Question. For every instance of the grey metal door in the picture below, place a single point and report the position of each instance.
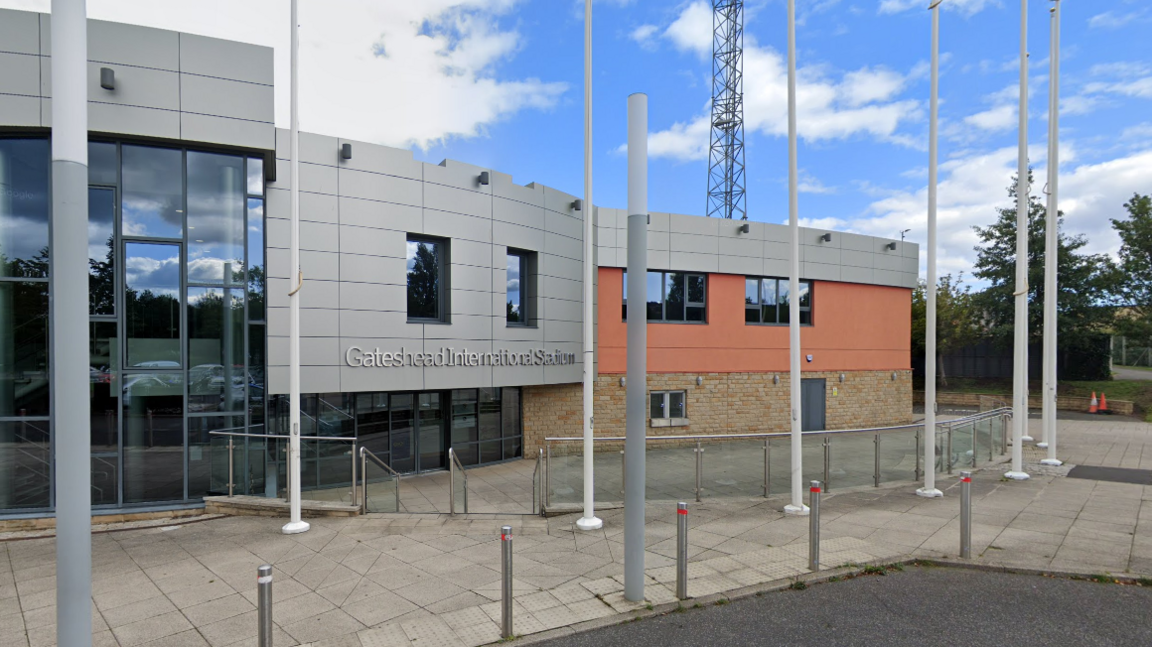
(812, 404)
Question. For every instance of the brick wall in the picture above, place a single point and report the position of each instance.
(725, 403)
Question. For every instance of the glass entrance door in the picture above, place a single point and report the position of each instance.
(431, 438)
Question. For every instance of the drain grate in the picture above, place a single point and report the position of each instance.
(1111, 474)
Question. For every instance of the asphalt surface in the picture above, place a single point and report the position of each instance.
(1124, 373)
(921, 606)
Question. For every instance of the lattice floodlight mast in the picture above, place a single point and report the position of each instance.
(726, 150)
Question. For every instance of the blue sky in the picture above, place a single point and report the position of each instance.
(498, 83)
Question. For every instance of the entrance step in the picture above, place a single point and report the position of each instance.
(265, 507)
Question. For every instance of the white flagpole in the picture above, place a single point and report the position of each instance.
(929, 490)
(1051, 233)
(1020, 365)
(296, 524)
(589, 520)
(797, 506)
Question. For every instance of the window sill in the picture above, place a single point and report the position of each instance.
(669, 422)
(677, 323)
(434, 322)
(522, 325)
(775, 325)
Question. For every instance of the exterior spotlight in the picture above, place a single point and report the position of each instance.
(699, 380)
(622, 381)
(775, 379)
(891, 246)
(484, 178)
(107, 78)
(346, 152)
(841, 378)
(578, 205)
(893, 376)
(826, 238)
(744, 228)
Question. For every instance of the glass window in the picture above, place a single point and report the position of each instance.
(101, 251)
(431, 441)
(672, 297)
(752, 300)
(216, 218)
(657, 399)
(425, 281)
(655, 289)
(23, 349)
(256, 372)
(768, 298)
(624, 299)
(200, 481)
(104, 405)
(152, 304)
(667, 404)
(402, 417)
(103, 165)
(695, 307)
(517, 311)
(255, 176)
(153, 405)
(805, 302)
(256, 273)
(153, 187)
(24, 208)
(775, 304)
(510, 422)
(372, 423)
(26, 454)
(215, 350)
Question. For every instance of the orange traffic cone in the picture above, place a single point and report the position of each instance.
(1103, 404)
(1092, 406)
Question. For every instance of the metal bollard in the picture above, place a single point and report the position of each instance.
(966, 515)
(506, 584)
(682, 551)
(264, 605)
(814, 527)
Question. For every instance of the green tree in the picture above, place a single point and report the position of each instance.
(957, 323)
(1136, 267)
(424, 283)
(1087, 281)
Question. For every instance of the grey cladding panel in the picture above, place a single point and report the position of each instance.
(387, 188)
(134, 87)
(222, 130)
(225, 98)
(316, 207)
(454, 200)
(19, 31)
(114, 42)
(226, 59)
(375, 242)
(129, 120)
(20, 110)
(382, 159)
(19, 74)
(457, 226)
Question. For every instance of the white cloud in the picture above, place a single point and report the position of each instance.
(1002, 117)
(861, 102)
(973, 186)
(808, 183)
(399, 73)
(966, 7)
(1114, 20)
(645, 35)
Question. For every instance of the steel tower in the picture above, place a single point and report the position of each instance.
(726, 150)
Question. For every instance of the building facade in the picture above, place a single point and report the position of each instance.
(440, 307)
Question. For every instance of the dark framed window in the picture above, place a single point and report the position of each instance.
(668, 405)
(672, 297)
(519, 288)
(427, 279)
(766, 301)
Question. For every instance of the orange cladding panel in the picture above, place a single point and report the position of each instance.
(855, 328)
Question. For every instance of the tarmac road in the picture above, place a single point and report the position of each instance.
(919, 607)
(1124, 373)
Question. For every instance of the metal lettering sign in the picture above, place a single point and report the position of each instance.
(451, 357)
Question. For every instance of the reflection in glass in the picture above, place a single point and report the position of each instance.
(256, 371)
(153, 405)
(769, 301)
(655, 286)
(200, 456)
(153, 200)
(752, 300)
(24, 203)
(423, 279)
(676, 404)
(24, 349)
(624, 298)
(402, 416)
(103, 167)
(656, 406)
(216, 218)
(372, 423)
(695, 309)
(805, 302)
(104, 403)
(431, 441)
(783, 287)
(215, 349)
(25, 464)
(152, 304)
(255, 176)
(674, 297)
(515, 310)
(101, 251)
(256, 259)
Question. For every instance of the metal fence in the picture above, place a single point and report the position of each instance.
(1129, 352)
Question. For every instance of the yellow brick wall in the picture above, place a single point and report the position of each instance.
(725, 403)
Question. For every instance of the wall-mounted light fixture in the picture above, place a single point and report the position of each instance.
(841, 377)
(826, 238)
(744, 228)
(699, 380)
(775, 379)
(484, 178)
(346, 152)
(107, 78)
(622, 381)
(893, 376)
(578, 205)
(891, 246)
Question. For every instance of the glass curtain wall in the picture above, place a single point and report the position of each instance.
(176, 318)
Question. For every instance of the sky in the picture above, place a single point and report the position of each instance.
(499, 84)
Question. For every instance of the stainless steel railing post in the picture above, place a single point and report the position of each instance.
(547, 473)
(876, 469)
(814, 527)
(231, 468)
(966, 515)
(506, 582)
(364, 490)
(767, 467)
(827, 460)
(975, 445)
(264, 605)
(948, 453)
(623, 473)
(699, 469)
(919, 472)
(355, 492)
(451, 484)
(682, 551)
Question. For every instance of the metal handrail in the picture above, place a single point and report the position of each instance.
(343, 439)
(454, 464)
(536, 474)
(364, 456)
(232, 447)
(784, 434)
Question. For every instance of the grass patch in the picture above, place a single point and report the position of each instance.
(721, 602)
(1144, 581)
(697, 606)
(875, 570)
(1102, 578)
(1136, 391)
(648, 606)
(797, 585)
